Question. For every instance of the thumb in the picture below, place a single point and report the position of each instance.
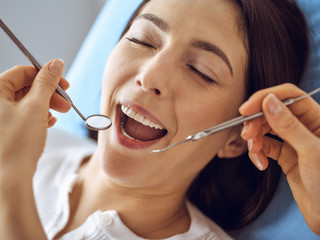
(47, 80)
(285, 124)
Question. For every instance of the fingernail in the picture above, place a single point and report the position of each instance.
(257, 161)
(273, 105)
(244, 129)
(56, 67)
(250, 144)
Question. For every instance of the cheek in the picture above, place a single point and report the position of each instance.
(202, 111)
(205, 110)
(119, 70)
(114, 67)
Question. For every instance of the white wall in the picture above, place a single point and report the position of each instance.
(48, 29)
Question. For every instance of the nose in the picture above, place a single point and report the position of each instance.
(144, 85)
(155, 76)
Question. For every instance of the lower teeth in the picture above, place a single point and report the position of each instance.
(125, 133)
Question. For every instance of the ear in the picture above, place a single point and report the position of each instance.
(235, 146)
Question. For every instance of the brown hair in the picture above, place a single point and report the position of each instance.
(233, 192)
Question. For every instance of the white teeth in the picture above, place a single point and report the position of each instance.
(126, 134)
(139, 118)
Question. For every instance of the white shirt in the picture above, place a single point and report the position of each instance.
(53, 181)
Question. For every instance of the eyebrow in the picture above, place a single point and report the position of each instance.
(214, 49)
(155, 20)
(163, 26)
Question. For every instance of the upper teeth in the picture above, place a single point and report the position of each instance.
(139, 118)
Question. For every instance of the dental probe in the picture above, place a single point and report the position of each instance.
(229, 124)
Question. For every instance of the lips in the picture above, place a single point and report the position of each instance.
(139, 118)
(137, 128)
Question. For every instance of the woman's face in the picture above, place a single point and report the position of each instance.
(178, 70)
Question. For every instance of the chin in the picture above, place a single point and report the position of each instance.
(124, 167)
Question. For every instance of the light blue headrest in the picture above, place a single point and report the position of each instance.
(282, 219)
(85, 74)
(311, 9)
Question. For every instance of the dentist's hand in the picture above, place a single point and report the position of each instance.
(25, 98)
(299, 155)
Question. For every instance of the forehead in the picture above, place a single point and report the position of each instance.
(200, 14)
(214, 21)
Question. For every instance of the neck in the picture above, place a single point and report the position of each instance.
(148, 213)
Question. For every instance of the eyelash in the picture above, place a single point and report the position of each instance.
(137, 41)
(192, 68)
(202, 75)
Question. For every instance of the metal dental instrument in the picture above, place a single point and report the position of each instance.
(229, 124)
(94, 122)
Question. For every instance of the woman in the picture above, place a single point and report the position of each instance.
(220, 56)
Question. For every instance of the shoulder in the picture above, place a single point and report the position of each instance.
(56, 170)
(61, 157)
(61, 146)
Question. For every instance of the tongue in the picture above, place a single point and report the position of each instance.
(141, 132)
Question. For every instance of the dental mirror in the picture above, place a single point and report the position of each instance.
(94, 122)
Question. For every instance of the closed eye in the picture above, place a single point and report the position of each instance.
(202, 75)
(142, 43)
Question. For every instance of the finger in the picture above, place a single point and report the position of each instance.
(265, 147)
(259, 159)
(49, 116)
(59, 104)
(285, 124)
(251, 128)
(64, 84)
(15, 83)
(21, 93)
(303, 109)
(254, 103)
(255, 144)
(46, 81)
(254, 127)
(283, 153)
(15, 79)
(256, 151)
(52, 121)
(272, 148)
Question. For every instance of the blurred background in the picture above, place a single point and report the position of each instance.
(48, 29)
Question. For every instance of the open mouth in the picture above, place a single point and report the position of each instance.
(137, 127)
